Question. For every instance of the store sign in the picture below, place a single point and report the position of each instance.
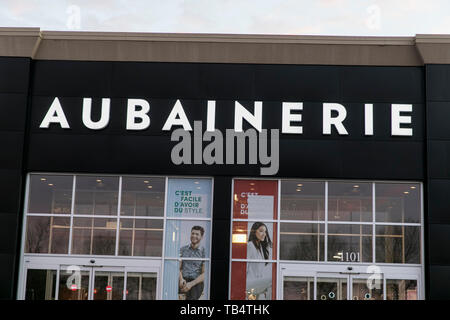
(139, 117)
(254, 146)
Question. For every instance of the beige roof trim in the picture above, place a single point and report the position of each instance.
(224, 48)
(18, 42)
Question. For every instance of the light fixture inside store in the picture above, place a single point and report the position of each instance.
(413, 187)
(98, 180)
(145, 181)
(298, 190)
(43, 179)
(149, 187)
(50, 184)
(406, 192)
(239, 238)
(299, 185)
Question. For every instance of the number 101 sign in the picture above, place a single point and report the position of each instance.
(348, 256)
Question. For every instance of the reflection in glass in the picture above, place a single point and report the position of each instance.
(94, 236)
(141, 286)
(331, 289)
(302, 200)
(140, 237)
(302, 242)
(47, 235)
(142, 196)
(398, 244)
(50, 194)
(361, 290)
(41, 284)
(298, 288)
(397, 202)
(96, 195)
(350, 201)
(69, 289)
(349, 243)
(401, 289)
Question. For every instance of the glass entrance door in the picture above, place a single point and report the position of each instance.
(303, 282)
(85, 282)
(331, 286)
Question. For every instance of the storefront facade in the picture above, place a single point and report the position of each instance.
(123, 177)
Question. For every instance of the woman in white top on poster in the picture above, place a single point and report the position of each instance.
(259, 274)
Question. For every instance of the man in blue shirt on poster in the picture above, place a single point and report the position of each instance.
(192, 272)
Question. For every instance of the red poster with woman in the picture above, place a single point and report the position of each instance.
(255, 207)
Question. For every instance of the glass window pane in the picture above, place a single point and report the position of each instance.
(140, 237)
(398, 202)
(361, 290)
(302, 241)
(94, 236)
(298, 288)
(142, 196)
(73, 287)
(141, 286)
(254, 240)
(350, 201)
(349, 243)
(41, 285)
(104, 236)
(50, 194)
(96, 195)
(331, 289)
(401, 289)
(255, 199)
(59, 235)
(189, 198)
(38, 235)
(183, 289)
(398, 244)
(302, 200)
(253, 281)
(108, 285)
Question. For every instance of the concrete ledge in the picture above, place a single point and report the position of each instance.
(224, 48)
(19, 42)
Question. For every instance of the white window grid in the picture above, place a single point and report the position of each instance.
(164, 218)
(325, 223)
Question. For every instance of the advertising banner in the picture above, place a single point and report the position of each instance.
(254, 239)
(187, 239)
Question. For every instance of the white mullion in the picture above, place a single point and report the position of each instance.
(125, 275)
(326, 224)
(277, 265)
(72, 208)
(57, 283)
(119, 203)
(374, 212)
(164, 239)
(302, 221)
(230, 260)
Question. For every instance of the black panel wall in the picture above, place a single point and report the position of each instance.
(311, 155)
(14, 79)
(438, 163)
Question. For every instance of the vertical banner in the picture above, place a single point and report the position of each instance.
(254, 239)
(187, 239)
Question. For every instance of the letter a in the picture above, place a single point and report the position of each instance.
(55, 114)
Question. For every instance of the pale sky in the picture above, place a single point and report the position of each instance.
(296, 17)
